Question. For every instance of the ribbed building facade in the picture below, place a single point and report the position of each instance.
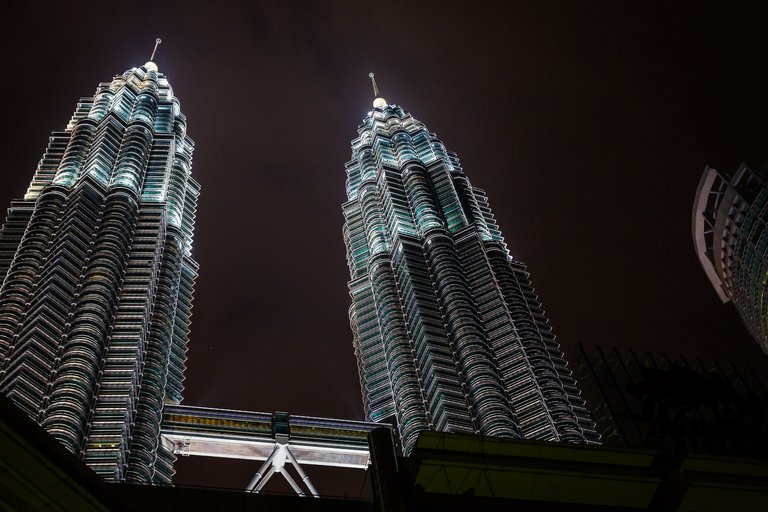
(97, 278)
(730, 215)
(448, 332)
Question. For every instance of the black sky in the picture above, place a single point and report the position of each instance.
(589, 125)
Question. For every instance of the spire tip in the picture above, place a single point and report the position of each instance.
(378, 102)
(150, 65)
(157, 43)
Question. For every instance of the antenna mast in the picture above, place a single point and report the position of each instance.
(375, 87)
(157, 43)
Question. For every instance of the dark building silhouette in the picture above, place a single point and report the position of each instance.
(676, 405)
(444, 472)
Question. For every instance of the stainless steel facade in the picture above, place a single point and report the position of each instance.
(448, 332)
(730, 214)
(97, 278)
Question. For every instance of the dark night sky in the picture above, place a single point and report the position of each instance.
(588, 124)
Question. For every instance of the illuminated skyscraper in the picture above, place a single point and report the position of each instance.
(448, 332)
(97, 278)
(730, 214)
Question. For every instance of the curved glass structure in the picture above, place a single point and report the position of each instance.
(448, 332)
(97, 276)
(730, 214)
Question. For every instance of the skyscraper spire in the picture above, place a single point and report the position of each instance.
(150, 65)
(447, 331)
(157, 43)
(378, 101)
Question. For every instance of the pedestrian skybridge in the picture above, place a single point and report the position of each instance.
(274, 438)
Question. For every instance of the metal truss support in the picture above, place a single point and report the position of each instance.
(276, 464)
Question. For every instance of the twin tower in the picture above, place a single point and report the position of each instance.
(97, 276)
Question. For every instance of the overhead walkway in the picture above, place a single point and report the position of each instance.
(276, 439)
